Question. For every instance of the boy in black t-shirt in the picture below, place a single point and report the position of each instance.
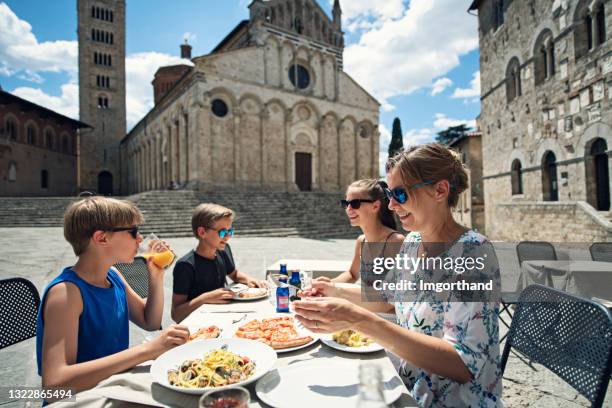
(199, 276)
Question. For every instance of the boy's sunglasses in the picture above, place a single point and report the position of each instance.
(132, 230)
(355, 203)
(224, 231)
(400, 194)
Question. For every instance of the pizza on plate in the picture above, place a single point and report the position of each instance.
(276, 332)
(207, 332)
(253, 293)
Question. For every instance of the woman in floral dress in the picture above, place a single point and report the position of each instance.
(448, 342)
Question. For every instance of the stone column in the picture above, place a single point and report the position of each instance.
(237, 113)
(205, 145)
(288, 158)
(176, 159)
(181, 137)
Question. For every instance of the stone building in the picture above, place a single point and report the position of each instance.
(269, 107)
(38, 149)
(546, 73)
(470, 208)
(101, 39)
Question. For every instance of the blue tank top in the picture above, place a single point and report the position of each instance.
(103, 324)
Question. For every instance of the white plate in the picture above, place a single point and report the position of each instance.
(317, 383)
(370, 348)
(300, 329)
(252, 290)
(263, 356)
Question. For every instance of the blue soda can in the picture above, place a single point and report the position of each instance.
(282, 298)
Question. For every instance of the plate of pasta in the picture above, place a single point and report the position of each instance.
(199, 366)
(351, 341)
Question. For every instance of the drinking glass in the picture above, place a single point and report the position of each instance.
(235, 397)
(153, 247)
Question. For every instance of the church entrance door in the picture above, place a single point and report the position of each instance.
(602, 180)
(105, 183)
(303, 171)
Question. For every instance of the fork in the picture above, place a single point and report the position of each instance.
(239, 320)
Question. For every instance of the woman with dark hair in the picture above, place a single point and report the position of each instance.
(367, 207)
(449, 344)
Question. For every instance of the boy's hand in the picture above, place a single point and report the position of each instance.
(254, 283)
(174, 335)
(154, 270)
(219, 296)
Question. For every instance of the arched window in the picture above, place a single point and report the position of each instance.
(11, 128)
(498, 13)
(31, 134)
(299, 76)
(219, 108)
(111, 38)
(544, 57)
(49, 139)
(550, 186)
(583, 29)
(516, 177)
(111, 17)
(513, 80)
(65, 143)
(600, 18)
(93, 12)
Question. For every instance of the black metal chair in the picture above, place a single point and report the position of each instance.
(535, 251)
(136, 275)
(601, 251)
(569, 335)
(525, 251)
(19, 303)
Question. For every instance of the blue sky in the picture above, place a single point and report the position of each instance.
(419, 58)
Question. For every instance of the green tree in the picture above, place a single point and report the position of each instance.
(453, 132)
(397, 139)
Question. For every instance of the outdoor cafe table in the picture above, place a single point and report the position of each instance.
(583, 278)
(319, 267)
(136, 386)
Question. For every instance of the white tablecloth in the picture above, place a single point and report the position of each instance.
(136, 385)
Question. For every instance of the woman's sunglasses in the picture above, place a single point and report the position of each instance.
(132, 230)
(224, 232)
(355, 203)
(400, 194)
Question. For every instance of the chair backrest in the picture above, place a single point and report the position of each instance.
(601, 251)
(136, 275)
(535, 251)
(19, 303)
(569, 335)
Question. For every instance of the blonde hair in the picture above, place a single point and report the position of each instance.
(84, 217)
(205, 215)
(431, 162)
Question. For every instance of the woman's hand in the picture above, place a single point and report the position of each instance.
(326, 315)
(322, 288)
(174, 335)
(254, 283)
(322, 279)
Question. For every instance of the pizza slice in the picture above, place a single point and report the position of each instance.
(208, 332)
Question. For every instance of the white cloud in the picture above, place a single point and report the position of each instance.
(418, 136)
(406, 53)
(471, 92)
(383, 148)
(443, 122)
(139, 71)
(189, 37)
(440, 85)
(20, 51)
(66, 104)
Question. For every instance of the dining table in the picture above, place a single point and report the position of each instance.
(136, 387)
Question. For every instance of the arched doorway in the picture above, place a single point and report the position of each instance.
(105, 183)
(550, 186)
(598, 178)
(303, 171)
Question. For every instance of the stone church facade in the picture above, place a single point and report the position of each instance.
(546, 118)
(270, 107)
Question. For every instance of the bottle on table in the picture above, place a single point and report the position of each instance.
(282, 298)
(295, 284)
(284, 275)
(371, 387)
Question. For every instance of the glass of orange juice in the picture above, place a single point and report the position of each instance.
(153, 247)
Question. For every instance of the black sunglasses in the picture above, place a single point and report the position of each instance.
(400, 194)
(354, 203)
(132, 230)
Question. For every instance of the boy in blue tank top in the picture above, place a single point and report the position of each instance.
(82, 328)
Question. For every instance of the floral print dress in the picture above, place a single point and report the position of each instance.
(471, 327)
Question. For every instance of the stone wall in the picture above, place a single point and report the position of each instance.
(563, 113)
(553, 222)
